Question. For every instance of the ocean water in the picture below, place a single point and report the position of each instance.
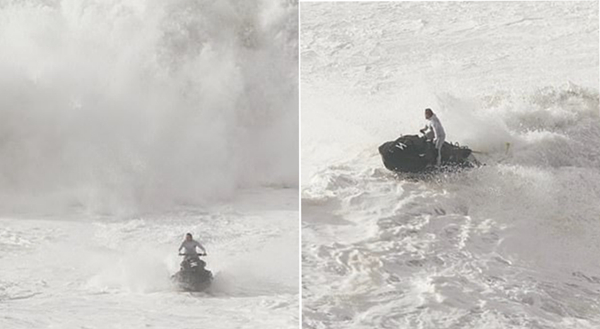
(126, 124)
(511, 244)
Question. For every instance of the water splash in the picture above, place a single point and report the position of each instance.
(136, 105)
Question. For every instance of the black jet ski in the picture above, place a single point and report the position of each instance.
(414, 154)
(193, 275)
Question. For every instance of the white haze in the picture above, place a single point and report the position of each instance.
(127, 105)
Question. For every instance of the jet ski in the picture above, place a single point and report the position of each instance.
(193, 275)
(415, 154)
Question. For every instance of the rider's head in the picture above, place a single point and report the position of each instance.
(428, 113)
(188, 237)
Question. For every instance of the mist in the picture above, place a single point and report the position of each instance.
(141, 105)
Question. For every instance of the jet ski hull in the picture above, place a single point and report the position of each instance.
(414, 154)
(193, 280)
(193, 275)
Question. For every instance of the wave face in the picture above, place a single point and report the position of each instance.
(507, 245)
(138, 105)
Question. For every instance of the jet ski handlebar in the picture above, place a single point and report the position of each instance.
(204, 254)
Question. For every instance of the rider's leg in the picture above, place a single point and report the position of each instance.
(439, 144)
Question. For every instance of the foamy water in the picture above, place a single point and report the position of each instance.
(507, 245)
(79, 271)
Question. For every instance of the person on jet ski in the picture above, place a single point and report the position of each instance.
(435, 132)
(189, 245)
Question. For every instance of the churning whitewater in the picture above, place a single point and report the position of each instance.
(126, 124)
(511, 244)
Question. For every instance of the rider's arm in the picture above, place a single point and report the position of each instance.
(201, 247)
(179, 249)
(428, 127)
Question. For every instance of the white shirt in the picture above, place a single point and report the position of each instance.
(190, 247)
(434, 124)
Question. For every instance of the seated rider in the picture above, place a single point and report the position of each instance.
(189, 245)
(435, 132)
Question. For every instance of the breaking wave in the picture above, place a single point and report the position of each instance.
(138, 105)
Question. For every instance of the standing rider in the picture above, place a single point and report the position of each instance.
(434, 131)
(189, 245)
